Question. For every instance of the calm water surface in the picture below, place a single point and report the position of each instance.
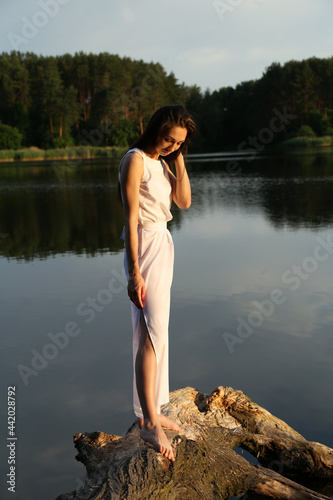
(252, 301)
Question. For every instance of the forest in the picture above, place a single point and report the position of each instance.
(106, 100)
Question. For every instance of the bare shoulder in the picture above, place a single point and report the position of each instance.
(132, 165)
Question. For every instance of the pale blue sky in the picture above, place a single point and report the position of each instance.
(210, 43)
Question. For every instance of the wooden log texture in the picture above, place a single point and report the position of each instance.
(206, 465)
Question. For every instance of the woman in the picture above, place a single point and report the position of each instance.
(148, 187)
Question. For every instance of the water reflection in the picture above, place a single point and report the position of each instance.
(242, 234)
(43, 214)
(291, 191)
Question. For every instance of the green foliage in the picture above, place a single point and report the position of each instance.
(29, 154)
(104, 100)
(7, 154)
(318, 122)
(122, 135)
(330, 117)
(53, 100)
(233, 117)
(301, 142)
(63, 142)
(63, 153)
(10, 137)
(305, 131)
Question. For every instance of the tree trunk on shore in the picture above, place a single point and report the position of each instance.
(206, 465)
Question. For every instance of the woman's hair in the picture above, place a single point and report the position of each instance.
(160, 125)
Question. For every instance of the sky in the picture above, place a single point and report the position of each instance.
(209, 43)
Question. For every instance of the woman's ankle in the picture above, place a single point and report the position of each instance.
(150, 422)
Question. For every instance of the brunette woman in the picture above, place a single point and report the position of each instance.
(148, 187)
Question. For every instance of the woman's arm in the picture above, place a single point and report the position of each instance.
(130, 177)
(181, 187)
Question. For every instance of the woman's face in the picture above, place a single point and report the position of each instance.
(171, 141)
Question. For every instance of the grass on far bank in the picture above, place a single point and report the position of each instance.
(72, 152)
(304, 142)
(61, 153)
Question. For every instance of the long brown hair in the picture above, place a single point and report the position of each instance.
(159, 126)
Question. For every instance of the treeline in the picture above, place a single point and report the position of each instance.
(106, 100)
(86, 99)
(294, 99)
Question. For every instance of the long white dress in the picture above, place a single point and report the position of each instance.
(156, 258)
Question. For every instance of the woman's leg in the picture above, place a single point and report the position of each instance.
(145, 371)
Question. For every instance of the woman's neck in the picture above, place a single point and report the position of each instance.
(153, 154)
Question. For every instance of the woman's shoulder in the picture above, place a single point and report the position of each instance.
(135, 153)
(132, 155)
(132, 159)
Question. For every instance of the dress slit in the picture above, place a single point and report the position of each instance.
(155, 260)
(142, 314)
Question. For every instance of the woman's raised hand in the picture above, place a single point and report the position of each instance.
(136, 290)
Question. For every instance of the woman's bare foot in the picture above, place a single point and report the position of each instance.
(165, 422)
(154, 434)
(169, 424)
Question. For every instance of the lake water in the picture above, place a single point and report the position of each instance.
(251, 308)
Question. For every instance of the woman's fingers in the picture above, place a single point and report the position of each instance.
(136, 301)
(140, 299)
(141, 291)
(137, 293)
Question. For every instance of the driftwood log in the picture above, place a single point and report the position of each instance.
(206, 465)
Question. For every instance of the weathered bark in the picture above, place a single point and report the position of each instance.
(206, 466)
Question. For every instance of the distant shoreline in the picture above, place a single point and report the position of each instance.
(91, 152)
(305, 142)
(61, 154)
